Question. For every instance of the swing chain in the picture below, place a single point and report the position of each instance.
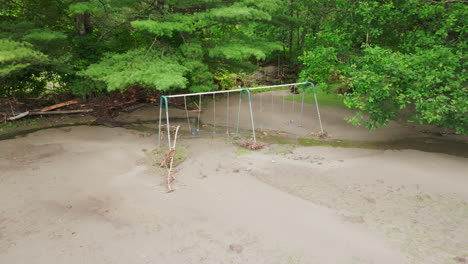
(199, 113)
(187, 114)
(214, 114)
(227, 118)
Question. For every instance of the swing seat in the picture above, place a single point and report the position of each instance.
(194, 132)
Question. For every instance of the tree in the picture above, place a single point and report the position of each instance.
(183, 43)
(394, 55)
(33, 49)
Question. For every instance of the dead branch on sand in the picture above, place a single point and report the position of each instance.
(168, 162)
(57, 112)
(321, 134)
(251, 145)
(55, 106)
(18, 116)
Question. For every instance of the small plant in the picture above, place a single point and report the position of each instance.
(8, 125)
(280, 150)
(241, 152)
(168, 160)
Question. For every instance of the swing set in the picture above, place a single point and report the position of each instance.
(195, 131)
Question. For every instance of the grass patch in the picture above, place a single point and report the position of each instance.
(280, 150)
(287, 144)
(241, 152)
(337, 143)
(156, 156)
(181, 154)
(27, 123)
(7, 126)
(272, 139)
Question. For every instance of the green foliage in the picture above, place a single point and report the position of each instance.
(237, 13)
(430, 82)
(15, 31)
(199, 76)
(16, 56)
(121, 71)
(226, 79)
(45, 35)
(319, 65)
(242, 51)
(160, 28)
(393, 56)
(192, 46)
(85, 86)
(84, 7)
(32, 55)
(325, 98)
(192, 51)
(28, 82)
(163, 45)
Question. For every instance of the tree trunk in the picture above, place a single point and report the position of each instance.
(291, 28)
(83, 21)
(298, 35)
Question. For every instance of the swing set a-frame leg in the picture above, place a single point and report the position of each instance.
(163, 101)
(251, 113)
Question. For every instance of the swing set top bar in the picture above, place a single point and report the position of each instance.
(236, 90)
(279, 85)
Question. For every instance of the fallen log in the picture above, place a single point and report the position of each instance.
(55, 106)
(28, 113)
(19, 116)
(58, 112)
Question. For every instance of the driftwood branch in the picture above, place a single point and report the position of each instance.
(62, 112)
(19, 116)
(28, 113)
(55, 106)
(168, 162)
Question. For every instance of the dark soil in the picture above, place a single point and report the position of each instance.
(105, 108)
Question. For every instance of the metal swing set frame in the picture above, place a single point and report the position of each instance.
(164, 102)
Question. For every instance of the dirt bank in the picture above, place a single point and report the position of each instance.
(92, 194)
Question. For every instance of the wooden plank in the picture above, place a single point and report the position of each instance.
(55, 106)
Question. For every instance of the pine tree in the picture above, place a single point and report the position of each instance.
(182, 43)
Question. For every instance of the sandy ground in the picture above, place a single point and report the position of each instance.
(96, 195)
(92, 195)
